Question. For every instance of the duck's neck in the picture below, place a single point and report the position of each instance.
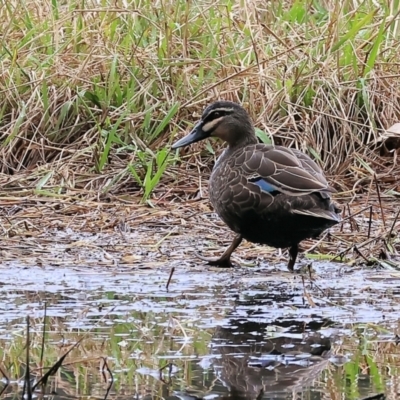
(244, 141)
(235, 146)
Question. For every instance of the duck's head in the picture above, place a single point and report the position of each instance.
(223, 119)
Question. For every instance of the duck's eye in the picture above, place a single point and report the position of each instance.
(214, 115)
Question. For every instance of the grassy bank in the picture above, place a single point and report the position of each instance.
(93, 92)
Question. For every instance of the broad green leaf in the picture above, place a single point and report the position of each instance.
(263, 136)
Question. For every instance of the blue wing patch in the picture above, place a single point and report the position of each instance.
(264, 185)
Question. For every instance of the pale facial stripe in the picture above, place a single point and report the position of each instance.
(209, 126)
(223, 109)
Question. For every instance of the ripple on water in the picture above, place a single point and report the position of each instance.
(264, 331)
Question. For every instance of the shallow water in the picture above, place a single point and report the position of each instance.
(248, 333)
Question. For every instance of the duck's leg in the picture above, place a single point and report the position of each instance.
(292, 256)
(225, 260)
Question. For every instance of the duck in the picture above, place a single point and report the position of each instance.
(266, 194)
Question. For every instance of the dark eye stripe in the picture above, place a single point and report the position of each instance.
(214, 114)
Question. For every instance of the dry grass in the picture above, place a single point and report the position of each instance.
(92, 92)
(111, 235)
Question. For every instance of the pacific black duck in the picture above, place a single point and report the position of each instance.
(267, 194)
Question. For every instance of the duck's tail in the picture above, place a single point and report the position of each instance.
(331, 215)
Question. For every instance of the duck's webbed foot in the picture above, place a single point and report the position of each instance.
(222, 262)
(225, 260)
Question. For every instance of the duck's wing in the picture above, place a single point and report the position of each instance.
(311, 166)
(281, 169)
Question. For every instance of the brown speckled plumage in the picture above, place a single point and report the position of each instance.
(267, 194)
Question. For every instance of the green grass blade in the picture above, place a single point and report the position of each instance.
(132, 170)
(165, 121)
(354, 30)
(375, 49)
(17, 125)
(161, 162)
(112, 137)
(42, 182)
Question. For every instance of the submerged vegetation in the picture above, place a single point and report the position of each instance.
(93, 92)
(203, 338)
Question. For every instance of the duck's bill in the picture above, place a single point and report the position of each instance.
(194, 136)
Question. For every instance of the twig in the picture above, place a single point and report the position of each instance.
(325, 298)
(43, 338)
(170, 277)
(7, 381)
(306, 294)
(368, 241)
(27, 381)
(343, 219)
(369, 222)
(356, 213)
(394, 222)
(361, 254)
(380, 201)
(105, 365)
(169, 366)
(350, 217)
(54, 368)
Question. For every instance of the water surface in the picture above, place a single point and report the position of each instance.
(249, 333)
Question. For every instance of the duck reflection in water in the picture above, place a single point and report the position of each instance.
(252, 366)
(282, 359)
